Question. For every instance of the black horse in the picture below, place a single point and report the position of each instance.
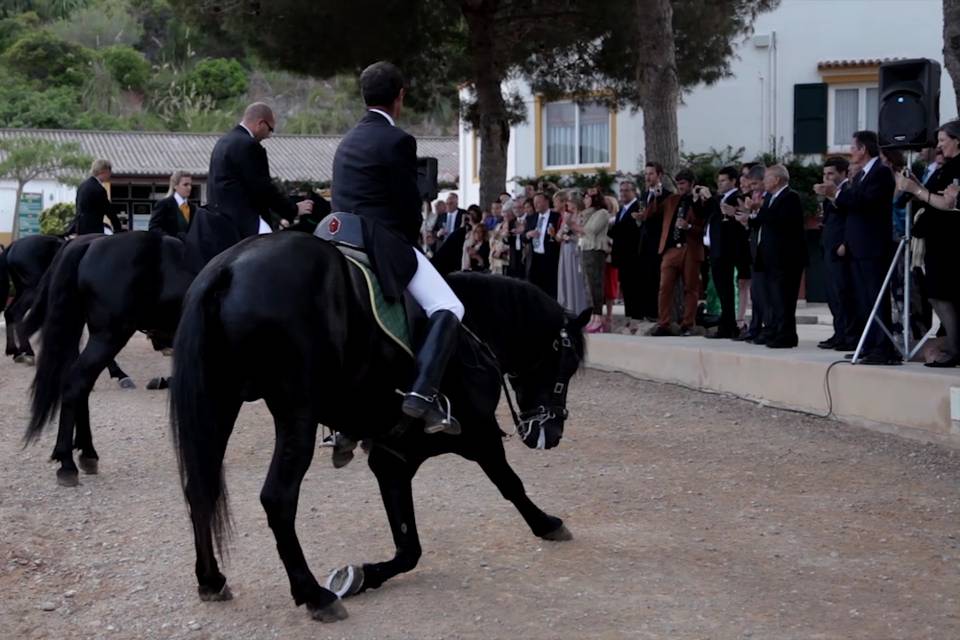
(115, 285)
(26, 261)
(286, 318)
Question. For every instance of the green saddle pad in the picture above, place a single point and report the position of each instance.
(390, 316)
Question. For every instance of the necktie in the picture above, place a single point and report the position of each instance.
(185, 211)
(857, 178)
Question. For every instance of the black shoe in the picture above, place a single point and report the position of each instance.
(943, 364)
(758, 340)
(724, 334)
(424, 401)
(880, 358)
(829, 343)
(782, 343)
(661, 332)
(845, 346)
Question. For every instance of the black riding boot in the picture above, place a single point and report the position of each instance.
(424, 401)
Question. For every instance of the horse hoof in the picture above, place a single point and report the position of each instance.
(333, 612)
(24, 359)
(560, 534)
(157, 384)
(67, 478)
(346, 581)
(167, 351)
(90, 466)
(127, 383)
(216, 596)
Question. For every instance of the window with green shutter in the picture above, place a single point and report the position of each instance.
(810, 118)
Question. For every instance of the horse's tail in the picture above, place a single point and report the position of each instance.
(58, 291)
(38, 310)
(4, 281)
(199, 437)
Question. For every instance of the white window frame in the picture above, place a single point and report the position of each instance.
(576, 124)
(862, 124)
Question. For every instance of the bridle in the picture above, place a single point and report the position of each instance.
(556, 402)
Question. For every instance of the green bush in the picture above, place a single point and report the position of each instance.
(46, 58)
(22, 106)
(218, 78)
(55, 220)
(127, 66)
(101, 24)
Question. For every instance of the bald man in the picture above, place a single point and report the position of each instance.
(239, 185)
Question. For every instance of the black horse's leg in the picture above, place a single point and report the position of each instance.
(24, 302)
(8, 317)
(79, 381)
(212, 584)
(125, 381)
(83, 439)
(296, 440)
(395, 477)
(490, 456)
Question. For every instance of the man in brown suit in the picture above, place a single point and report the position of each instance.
(681, 249)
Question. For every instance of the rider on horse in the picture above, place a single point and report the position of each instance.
(375, 177)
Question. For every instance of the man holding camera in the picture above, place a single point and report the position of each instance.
(681, 249)
(839, 293)
(729, 249)
(868, 239)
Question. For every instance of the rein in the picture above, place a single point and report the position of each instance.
(503, 377)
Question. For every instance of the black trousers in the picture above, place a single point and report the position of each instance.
(629, 275)
(840, 299)
(721, 269)
(543, 272)
(868, 275)
(648, 286)
(758, 303)
(782, 286)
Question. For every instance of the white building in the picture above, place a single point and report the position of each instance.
(834, 45)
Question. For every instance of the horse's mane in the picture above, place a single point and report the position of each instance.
(492, 301)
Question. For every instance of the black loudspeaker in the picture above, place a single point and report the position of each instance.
(427, 178)
(909, 104)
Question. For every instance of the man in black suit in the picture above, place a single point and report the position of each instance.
(781, 255)
(450, 221)
(625, 252)
(93, 203)
(648, 274)
(375, 177)
(173, 214)
(868, 240)
(727, 241)
(545, 254)
(239, 186)
(837, 263)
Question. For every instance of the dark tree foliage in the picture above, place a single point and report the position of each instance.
(562, 46)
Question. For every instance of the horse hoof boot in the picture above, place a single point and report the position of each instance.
(208, 595)
(90, 466)
(333, 612)
(560, 534)
(24, 359)
(68, 478)
(127, 383)
(346, 581)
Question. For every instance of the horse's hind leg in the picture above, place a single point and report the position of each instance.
(395, 477)
(125, 381)
(83, 440)
(11, 331)
(296, 440)
(24, 349)
(80, 379)
(492, 459)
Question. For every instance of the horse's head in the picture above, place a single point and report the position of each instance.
(541, 388)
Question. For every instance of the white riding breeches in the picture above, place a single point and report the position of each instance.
(431, 291)
(264, 227)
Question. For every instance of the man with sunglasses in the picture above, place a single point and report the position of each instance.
(239, 187)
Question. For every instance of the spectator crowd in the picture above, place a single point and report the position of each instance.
(660, 243)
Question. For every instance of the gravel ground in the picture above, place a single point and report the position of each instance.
(694, 516)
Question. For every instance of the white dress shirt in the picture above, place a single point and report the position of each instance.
(539, 242)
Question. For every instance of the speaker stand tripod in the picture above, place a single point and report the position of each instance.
(903, 253)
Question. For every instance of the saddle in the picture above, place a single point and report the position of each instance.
(345, 232)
